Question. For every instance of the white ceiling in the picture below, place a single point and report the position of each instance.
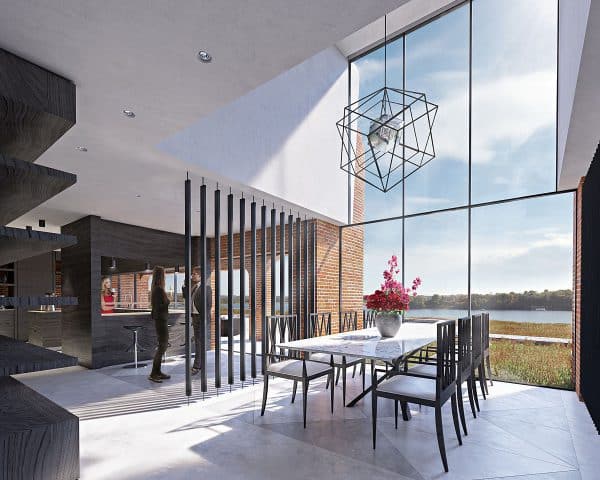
(141, 55)
(580, 127)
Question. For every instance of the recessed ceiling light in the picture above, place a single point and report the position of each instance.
(138, 196)
(129, 113)
(204, 57)
(81, 148)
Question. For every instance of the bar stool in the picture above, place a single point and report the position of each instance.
(135, 346)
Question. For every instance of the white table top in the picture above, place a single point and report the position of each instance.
(367, 343)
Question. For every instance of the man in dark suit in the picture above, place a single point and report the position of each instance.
(197, 323)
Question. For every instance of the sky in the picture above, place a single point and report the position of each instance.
(516, 246)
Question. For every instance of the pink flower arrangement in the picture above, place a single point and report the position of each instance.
(392, 296)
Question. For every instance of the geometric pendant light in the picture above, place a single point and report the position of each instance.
(387, 134)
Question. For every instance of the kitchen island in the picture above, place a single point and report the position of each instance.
(112, 339)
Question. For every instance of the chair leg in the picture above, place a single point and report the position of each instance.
(330, 377)
(354, 370)
(482, 382)
(471, 401)
(294, 391)
(304, 399)
(337, 377)
(439, 430)
(265, 390)
(362, 369)
(475, 394)
(489, 369)
(396, 412)
(374, 419)
(461, 408)
(453, 400)
(344, 386)
(405, 411)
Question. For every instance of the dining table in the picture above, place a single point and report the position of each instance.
(371, 346)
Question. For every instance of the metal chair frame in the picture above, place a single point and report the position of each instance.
(282, 328)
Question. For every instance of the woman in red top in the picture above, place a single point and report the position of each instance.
(107, 300)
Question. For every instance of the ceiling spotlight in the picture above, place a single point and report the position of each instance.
(147, 268)
(204, 57)
(81, 148)
(138, 196)
(129, 113)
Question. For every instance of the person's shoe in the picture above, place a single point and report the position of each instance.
(195, 371)
(163, 376)
(155, 378)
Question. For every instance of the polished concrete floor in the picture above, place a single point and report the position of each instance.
(133, 429)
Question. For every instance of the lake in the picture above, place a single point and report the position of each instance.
(531, 316)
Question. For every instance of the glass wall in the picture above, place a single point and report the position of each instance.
(490, 250)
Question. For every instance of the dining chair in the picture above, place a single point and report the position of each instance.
(369, 318)
(463, 371)
(289, 364)
(477, 363)
(409, 387)
(487, 366)
(320, 324)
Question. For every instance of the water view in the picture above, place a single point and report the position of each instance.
(529, 316)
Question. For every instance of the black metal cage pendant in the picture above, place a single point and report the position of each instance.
(387, 136)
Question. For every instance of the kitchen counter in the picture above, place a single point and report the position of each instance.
(112, 339)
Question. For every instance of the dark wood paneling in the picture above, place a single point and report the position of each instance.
(20, 357)
(7, 322)
(37, 107)
(38, 438)
(25, 185)
(45, 328)
(17, 243)
(590, 285)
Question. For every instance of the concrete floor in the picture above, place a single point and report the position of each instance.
(131, 429)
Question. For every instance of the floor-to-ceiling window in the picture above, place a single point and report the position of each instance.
(482, 224)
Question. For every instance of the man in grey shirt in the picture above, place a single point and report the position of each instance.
(197, 323)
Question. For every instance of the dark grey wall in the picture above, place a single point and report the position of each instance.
(590, 286)
(83, 325)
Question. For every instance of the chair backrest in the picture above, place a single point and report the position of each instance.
(348, 321)
(465, 348)
(280, 329)
(319, 324)
(446, 356)
(485, 331)
(477, 338)
(369, 318)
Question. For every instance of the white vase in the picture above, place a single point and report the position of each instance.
(388, 323)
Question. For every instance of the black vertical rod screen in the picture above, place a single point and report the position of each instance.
(253, 289)
(263, 285)
(273, 257)
(297, 271)
(188, 269)
(203, 276)
(282, 263)
(313, 265)
(305, 271)
(217, 288)
(242, 289)
(290, 257)
(230, 288)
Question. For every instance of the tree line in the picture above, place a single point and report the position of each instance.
(528, 300)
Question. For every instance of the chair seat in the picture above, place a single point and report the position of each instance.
(337, 359)
(406, 386)
(293, 368)
(430, 370)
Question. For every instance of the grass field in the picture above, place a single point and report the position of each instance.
(528, 362)
(554, 330)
